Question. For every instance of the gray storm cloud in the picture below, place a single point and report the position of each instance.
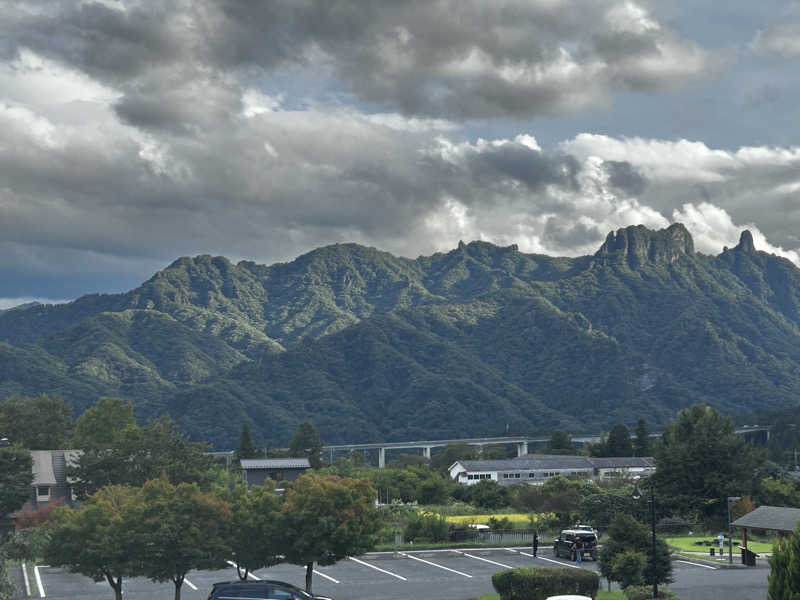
(132, 133)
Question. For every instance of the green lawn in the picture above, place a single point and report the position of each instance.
(687, 544)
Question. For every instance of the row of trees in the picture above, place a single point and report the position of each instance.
(162, 531)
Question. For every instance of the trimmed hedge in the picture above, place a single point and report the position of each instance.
(538, 583)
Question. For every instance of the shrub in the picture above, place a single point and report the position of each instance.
(535, 583)
(628, 568)
(428, 527)
(501, 523)
(645, 592)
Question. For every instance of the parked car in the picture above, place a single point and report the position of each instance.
(588, 528)
(258, 590)
(562, 545)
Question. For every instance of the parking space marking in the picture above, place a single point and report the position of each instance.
(558, 562)
(427, 562)
(249, 574)
(484, 559)
(38, 578)
(366, 564)
(698, 565)
(325, 576)
(26, 580)
(190, 584)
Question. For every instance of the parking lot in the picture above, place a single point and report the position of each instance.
(418, 575)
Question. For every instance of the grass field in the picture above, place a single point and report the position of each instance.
(687, 544)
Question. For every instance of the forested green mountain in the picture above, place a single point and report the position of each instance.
(481, 340)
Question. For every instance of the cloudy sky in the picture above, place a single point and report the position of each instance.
(134, 132)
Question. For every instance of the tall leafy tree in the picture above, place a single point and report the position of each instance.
(641, 444)
(95, 540)
(619, 441)
(16, 475)
(255, 527)
(700, 461)
(180, 528)
(246, 447)
(306, 443)
(326, 519)
(99, 426)
(441, 461)
(37, 423)
(133, 455)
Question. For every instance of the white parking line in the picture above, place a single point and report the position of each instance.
(39, 579)
(325, 576)
(190, 584)
(427, 562)
(484, 559)
(249, 574)
(698, 564)
(27, 581)
(366, 564)
(558, 562)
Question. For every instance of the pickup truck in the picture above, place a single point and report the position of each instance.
(562, 545)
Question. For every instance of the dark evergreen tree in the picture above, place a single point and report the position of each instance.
(306, 443)
(626, 534)
(246, 448)
(16, 474)
(619, 441)
(560, 443)
(641, 445)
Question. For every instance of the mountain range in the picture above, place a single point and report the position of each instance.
(481, 340)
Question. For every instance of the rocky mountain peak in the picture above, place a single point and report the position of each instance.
(637, 245)
(746, 242)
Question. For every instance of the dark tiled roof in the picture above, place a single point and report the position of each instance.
(619, 462)
(556, 461)
(529, 461)
(275, 463)
(777, 518)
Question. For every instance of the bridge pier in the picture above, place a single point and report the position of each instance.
(381, 458)
(522, 449)
(426, 452)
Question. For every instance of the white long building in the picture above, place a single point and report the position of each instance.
(535, 469)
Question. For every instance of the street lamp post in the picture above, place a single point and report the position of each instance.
(730, 535)
(636, 495)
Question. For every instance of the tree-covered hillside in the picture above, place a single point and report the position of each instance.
(479, 340)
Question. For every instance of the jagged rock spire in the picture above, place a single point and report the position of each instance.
(746, 242)
(639, 245)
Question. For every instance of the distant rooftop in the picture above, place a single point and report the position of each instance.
(275, 463)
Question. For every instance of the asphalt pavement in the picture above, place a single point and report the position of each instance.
(418, 575)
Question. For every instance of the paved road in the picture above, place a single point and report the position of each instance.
(418, 575)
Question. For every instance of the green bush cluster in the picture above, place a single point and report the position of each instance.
(426, 527)
(645, 592)
(531, 583)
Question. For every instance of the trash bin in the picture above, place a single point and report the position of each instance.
(749, 557)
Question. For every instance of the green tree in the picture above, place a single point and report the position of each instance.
(327, 518)
(37, 423)
(442, 460)
(560, 443)
(487, 493)
(619, 441)
(641, 444)
(95, 540)
(306, 443)
(182, 528)
(16, 475)
(558, 495)
(626, 534)
(134, 455)
(700, 461)
(7, 589)
(784, 576)
(246, 448)
(99, 426)
(255, 528)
